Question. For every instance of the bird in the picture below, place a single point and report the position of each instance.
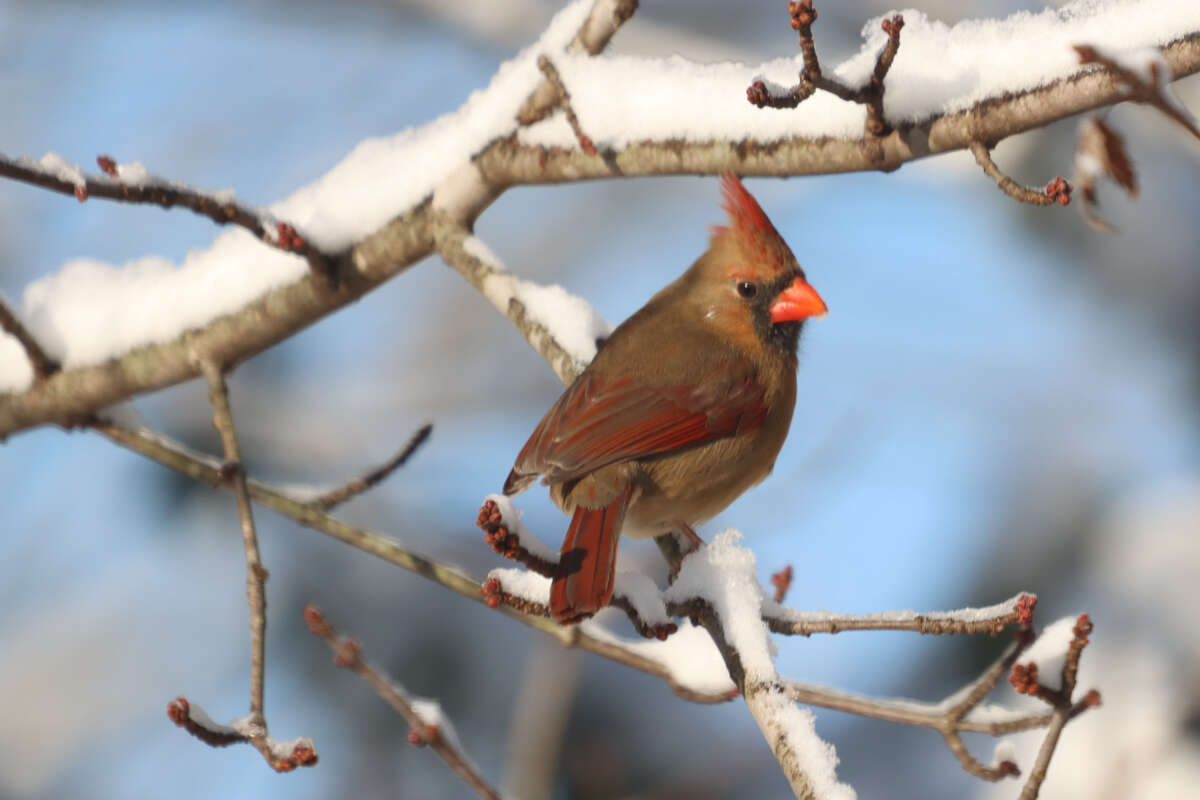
(684, 407)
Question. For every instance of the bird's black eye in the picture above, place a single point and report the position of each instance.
(747, 289)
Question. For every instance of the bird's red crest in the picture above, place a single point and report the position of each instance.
(750, 227)
(745, 214)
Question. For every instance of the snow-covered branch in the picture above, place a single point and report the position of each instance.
(40, 363)
(133, 183)
(281, 756)
(1016, 75)
(562, 328)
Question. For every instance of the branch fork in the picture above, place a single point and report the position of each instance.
(803, 15)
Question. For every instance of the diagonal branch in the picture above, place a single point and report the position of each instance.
(43, 365)
(424, 728)
(1149, 88)
(462, 251)
(606, 17)
(376, 475)
(132, 184)
(564, 101)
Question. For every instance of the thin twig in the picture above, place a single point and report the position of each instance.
(1041, 765)
(166, 194)
(256, 573)
(348, 654)
(281, 756)
(1056, 191)
(43, 365)
(603, 21)
(372, 477)
(1015, 611)
(564, 102)
(949, 715)
(1151, 93)
(803, 15)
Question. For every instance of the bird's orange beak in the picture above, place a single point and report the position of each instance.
(796, 302)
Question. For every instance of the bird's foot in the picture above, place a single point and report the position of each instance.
(687, 542)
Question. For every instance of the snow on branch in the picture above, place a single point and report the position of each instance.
(646, 116)
(716, 589)
(562, 328)
(1145, 74)
(1017, 610)
(427, 723)
(133, 183)
(650, 610)
(40, 364)
(282, 756)
(870, 94)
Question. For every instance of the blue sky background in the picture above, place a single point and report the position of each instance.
(990, 380)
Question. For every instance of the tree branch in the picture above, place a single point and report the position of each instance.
(498, 285)
(376, 475)
(1056, 191)
(205, 469)
(1017, 610)
(803, 15)
(1150, 89)
(564, 102)
(422, 729)
(281, 756)
(606, 17)
(132, 184)
(43, 365)
(281, 312)
(256, 574)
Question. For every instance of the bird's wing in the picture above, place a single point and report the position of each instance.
(595, 424)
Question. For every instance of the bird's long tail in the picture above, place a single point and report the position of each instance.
(588, 561)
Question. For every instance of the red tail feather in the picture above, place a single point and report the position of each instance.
(588, 562)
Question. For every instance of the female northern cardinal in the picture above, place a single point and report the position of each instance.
(683, 409)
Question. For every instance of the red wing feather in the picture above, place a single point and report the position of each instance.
(593, 425)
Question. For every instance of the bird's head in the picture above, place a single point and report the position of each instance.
(753, 288)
